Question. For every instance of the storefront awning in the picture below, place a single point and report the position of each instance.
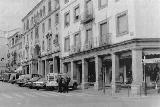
(152, 52)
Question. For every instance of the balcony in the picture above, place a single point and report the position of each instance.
(87, 18)
(105, 40)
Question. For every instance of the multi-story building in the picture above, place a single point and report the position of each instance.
(15, 50)
(106, 40)
(42, 38)
(3, 53)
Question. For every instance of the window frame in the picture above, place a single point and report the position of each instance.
(74, 16)
(101, 23)
(66, 1)
(65, 46)
(102, 6)
(49, 24)
(65, 19)
(119, 15)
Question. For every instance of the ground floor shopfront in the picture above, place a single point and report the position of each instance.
(43, 65)
(120, 63)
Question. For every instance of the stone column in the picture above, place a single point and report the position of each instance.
(46, 67)
(55, 68)
(84, 74)
(61, 66)
(137, 71)
(98, 68)
(39, 67)
(115, 71)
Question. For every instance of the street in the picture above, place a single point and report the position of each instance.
(15, 96)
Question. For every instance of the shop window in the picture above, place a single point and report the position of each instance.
(122, 24)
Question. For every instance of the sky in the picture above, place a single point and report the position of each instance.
(12, 11)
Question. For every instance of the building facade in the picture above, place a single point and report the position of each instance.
(94, 41)
(42, 38)
(106, 40)
(15, 50)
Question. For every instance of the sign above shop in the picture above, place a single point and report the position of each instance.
(153, 60)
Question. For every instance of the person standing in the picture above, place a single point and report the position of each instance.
(59, 81)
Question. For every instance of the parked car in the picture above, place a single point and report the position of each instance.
(40, 84)
(52, 81)
(6, 77)
(34, 79)
(23, 79)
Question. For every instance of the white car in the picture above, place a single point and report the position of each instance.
(52, 81)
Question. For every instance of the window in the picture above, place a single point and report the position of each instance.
(49, 6)
(67, 44)
(43, 47)
(67, 19)
(36, 32)
(44, 11)
(43, 27)
(49, 43)
(89, 10)
(49, 24)
(122, 24)
(66, 1)
(57, 18)
(56, 40)
(31, 35)
(27, 27)
(88, 35)
(76, 39)
(56, 4)
(102, 3)
(104, 31)
(27, 38)
(41, 13)
(76, 13)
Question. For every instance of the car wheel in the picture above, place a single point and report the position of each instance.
(74, 86)
(37, 88)
(30, 87)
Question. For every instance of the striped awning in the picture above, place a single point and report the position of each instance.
(152, 52)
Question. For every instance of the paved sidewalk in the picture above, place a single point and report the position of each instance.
(122, 94)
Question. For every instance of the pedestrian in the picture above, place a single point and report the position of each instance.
(63, 85)
(59, 81)
(67, 83)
